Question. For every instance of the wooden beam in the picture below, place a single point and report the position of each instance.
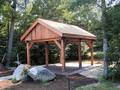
(44, 40)
(72, 40)
(79, 54)
(58, 44)
(46, 54)
(62, 55)
(28, 53)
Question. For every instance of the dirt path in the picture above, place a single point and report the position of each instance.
(60, 83)
(5, 84)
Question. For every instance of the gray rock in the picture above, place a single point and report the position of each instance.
(41, 74)
(19, 73)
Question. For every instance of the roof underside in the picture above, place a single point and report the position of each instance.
(61, 29)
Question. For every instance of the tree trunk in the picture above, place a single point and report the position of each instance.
(105, 39)
(11, 34)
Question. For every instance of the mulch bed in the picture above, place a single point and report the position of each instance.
(60, 83)
(77, 80)
(4, 71)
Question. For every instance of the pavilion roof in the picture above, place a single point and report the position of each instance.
(62, 29)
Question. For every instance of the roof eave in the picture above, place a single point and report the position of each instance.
(79, 36)
(28, 31)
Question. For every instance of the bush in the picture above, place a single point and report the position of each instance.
(98, 55)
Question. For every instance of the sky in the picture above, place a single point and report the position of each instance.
(115, 2)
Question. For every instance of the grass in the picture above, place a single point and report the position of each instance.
(99, 86)
(102, 85)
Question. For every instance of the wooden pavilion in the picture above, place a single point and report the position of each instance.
(46, 31)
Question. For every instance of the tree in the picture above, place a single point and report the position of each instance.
(12, 18)
(105, 39)
(11, 32)
(113, 18)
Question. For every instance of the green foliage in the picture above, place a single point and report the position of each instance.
(83, 13)
(98, 55)
(37, 54)
(113, 25)
(53, 54)
(69, 52)
(3, 36)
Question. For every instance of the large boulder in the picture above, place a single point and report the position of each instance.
(20, 73)
(41, 74)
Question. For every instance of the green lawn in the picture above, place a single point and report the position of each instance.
(99, 86)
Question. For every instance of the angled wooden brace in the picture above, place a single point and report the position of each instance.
(58, 44)
(90, 45)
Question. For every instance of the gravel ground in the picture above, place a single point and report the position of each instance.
(94, 72)
(61, 82)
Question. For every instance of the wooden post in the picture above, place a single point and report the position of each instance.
(79, 55)
(62, 55)
(46, 53)
(90, 45)
(28, 53)
(91, 50)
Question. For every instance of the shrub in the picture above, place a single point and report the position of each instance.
(98, 55)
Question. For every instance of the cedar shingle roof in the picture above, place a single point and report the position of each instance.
(62, 29)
